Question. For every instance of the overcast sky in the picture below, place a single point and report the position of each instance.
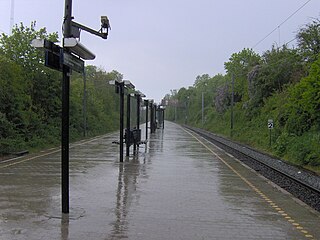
(164, 44)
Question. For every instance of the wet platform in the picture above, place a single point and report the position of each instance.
(178, 187)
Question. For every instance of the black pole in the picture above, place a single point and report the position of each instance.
(147, 113)
(138, 112)
(121, 93)
(65, 116)
(138, 120)
(152, 118)
(163, 119)
(65, 140)
(128, 127)
(270, 138)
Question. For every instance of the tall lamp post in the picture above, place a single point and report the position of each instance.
(120, 88)
(139, 95)
(128, 132)
(69, 57)
(146, 103)
(72, 48)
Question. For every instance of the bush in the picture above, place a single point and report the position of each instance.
(304, 150)
(9, 145)
(281, 145)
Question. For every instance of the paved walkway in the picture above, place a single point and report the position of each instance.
(181, 187)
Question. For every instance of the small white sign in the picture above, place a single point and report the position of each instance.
(270, 124)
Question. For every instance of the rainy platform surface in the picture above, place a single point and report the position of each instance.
(179, 187)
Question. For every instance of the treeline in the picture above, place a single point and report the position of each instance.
(30, 96)
(282, 84)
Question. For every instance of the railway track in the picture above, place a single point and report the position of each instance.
(302, 184)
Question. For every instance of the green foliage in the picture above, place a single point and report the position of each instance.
(239, 65)
(304, 102)
(304, 150)
(30, 96)
(279, 67)
(309, 41)
(17, 47)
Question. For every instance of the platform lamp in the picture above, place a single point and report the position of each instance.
(146, 104)
(139, 95)
(69, 57)
(162, 108)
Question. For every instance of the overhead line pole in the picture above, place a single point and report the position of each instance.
(202, 108)
(12, 16)
(232, 103)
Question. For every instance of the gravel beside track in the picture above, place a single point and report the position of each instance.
(301, 183)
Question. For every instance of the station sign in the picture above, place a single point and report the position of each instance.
(73, 62)
(52, 60)
(270, 124)
(56, 58)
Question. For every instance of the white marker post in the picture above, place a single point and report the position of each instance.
(270, 127)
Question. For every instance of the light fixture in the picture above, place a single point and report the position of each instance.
(78, 49)
(128, 84)
(114, 82)
(38, 43)
(140, 94)
(45, 44)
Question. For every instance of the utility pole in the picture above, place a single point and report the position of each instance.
(12, 16)
(232, 103)
(202, 108)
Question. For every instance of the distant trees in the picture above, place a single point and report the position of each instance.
(278, 68)
(282, 84)
(26, 86)
(239, 65)
(309, 41)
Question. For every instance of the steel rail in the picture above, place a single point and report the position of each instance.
(224, 146)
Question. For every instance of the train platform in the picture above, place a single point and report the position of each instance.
(178, 187)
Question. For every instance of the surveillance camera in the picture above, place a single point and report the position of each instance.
(105, 22)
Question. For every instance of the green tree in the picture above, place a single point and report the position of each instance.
(304, 102)
(41, 84)
(239, 65)
(13, 99)
(308, 39)
(280, 66)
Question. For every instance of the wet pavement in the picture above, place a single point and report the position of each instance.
(179, 187)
